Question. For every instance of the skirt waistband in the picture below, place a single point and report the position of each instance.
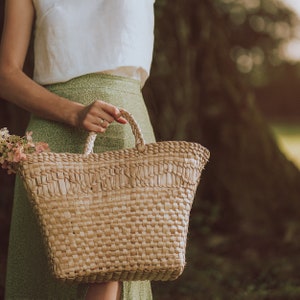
(96, 81)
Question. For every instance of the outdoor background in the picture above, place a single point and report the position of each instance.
(223, 75)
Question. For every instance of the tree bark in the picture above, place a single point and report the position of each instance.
(196, 93)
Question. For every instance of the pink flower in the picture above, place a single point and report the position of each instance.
(9, 156)
(13, 149)
(30, 142)
(41, 147)
(19, 154)
(29, 136)
(9, 146)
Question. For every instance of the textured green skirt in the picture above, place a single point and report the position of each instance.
(28, 276)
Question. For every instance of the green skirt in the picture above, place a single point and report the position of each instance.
(28, 276)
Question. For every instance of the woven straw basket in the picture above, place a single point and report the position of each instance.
(119, 215)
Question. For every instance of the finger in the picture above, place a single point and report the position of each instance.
(105, 116)
(100, 122)
(121, 120)
(96, 128)
(103, 123)
(91, 125)
(109, 109)
(97, 113)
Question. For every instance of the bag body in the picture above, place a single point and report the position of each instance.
(118, 215)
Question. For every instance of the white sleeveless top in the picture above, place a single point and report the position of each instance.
(77, 37)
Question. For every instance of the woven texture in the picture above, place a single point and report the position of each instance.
(118, 215)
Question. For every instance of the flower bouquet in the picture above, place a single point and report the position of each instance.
(14, 148)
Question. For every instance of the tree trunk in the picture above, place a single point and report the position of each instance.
(195, 93)
(248, 196)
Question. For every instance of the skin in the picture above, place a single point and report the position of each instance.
(18, 88)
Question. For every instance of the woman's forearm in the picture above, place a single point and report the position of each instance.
(17, 88)
(15, 85)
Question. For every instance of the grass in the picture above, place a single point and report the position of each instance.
(288, 137)
(237, 269)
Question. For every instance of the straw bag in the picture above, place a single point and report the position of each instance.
(119, 215)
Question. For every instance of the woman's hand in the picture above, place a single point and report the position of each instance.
(98, 115)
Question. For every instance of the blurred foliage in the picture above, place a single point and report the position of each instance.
(208, 57)
(258, 30)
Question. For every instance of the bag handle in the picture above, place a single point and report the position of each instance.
(139, 140)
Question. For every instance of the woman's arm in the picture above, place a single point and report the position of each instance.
(17, 87)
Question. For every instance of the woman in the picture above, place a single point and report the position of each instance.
(91, 57)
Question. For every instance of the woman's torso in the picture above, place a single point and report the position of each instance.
(75, 37)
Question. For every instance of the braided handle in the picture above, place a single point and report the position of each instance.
(139, 140)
